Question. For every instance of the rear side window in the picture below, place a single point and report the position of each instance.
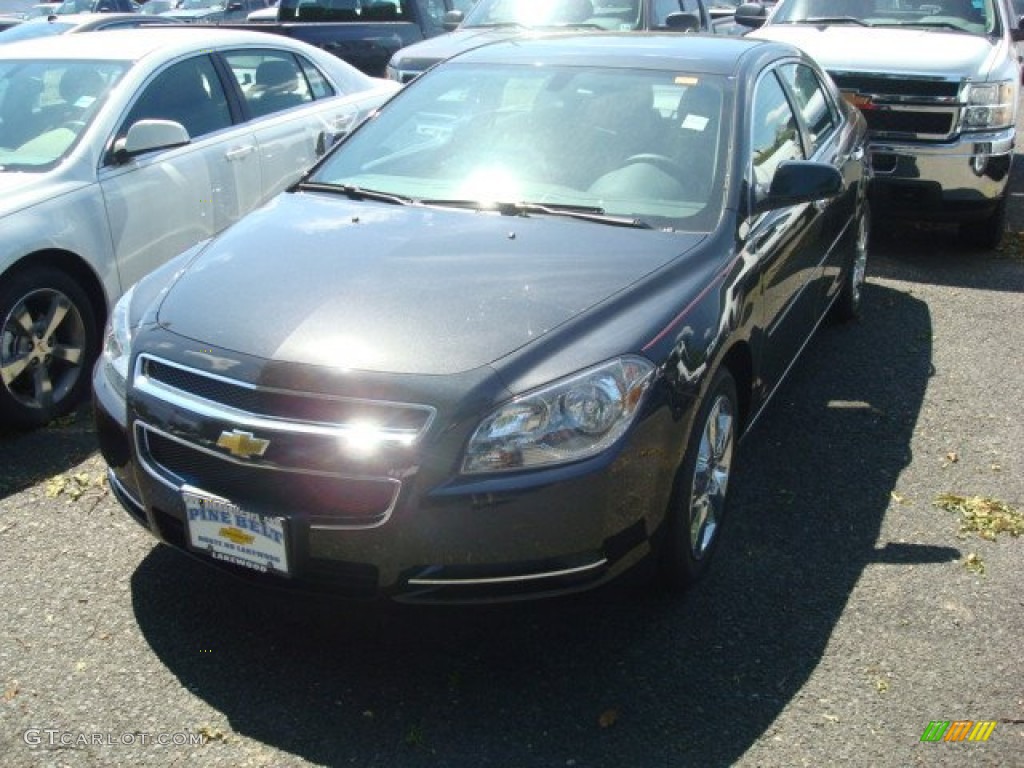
(271, 81)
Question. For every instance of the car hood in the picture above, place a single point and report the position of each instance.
(319, 280)
(432, 50)
(848, 48)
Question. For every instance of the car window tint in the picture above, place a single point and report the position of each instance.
(776, 136)
(816, 108)
(271, 81)
(189, 93)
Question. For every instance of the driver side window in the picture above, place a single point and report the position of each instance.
(776, 135)
(189, 93)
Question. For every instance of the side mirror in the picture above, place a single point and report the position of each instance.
(751, 15)
(149, 135)
(683, 21)
(800, 181)
(452, 19)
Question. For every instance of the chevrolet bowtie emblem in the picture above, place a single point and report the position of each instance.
(242, 444)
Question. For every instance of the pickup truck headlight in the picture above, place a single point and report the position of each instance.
(117, 344)
(569, 420)
(990, 106)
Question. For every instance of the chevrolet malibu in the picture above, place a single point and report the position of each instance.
(120, 149)
(501, 343)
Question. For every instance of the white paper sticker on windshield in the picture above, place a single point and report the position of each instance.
(695, 123)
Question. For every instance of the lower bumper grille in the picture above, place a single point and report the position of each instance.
(323, 501)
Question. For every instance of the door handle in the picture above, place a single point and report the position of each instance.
(237, 153)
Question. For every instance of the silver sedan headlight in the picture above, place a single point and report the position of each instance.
(569, 420)
(117, 344)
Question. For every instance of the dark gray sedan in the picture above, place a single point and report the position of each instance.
(502, 342)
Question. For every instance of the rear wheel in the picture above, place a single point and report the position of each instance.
(48, 341)
(698, 506)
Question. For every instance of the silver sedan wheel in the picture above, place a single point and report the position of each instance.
(42, 349)
(711, 476)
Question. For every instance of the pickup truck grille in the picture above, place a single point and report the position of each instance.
(904, 108)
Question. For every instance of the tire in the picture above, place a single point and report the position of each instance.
(698, 506)
(848, 303)
(988, 232)
(48, 342)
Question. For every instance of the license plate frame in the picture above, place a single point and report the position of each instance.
(226, 531)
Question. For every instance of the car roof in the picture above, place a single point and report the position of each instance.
(709, 54)
(135, 44)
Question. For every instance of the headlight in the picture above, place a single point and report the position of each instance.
(990, 106)
(117, 344)
(569, 420)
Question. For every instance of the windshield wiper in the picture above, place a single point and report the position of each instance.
(834, 20)
(354, 192)
(936, 25)
(501, 25)
(584, 212)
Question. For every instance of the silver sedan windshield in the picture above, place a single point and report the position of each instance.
(45, 106)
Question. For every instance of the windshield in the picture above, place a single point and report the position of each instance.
(154, 7)
(45, 106)
(36, 28)
(977, 17)
(606, 14)
(631, 144)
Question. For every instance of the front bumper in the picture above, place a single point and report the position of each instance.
(441, 538)
(957, 181)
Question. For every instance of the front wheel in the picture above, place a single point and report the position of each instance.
(698, 506)
(847, 305)
(48, 341)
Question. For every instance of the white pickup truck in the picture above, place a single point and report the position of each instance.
(938, 82)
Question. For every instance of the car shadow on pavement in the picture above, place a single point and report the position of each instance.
(930, 254)
(29, 456)
(618, 677)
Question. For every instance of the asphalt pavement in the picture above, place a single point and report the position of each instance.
(847, 611)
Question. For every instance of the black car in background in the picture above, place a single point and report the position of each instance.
(502, 342)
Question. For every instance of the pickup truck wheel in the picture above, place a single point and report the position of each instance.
(988, 232)
(848, 302)
(697, 509)
(48, 342)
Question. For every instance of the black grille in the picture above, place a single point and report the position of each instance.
(935, 123)
(284, 405)
(884, 86)
(323, 500)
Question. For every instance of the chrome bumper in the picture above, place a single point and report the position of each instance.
(968, 176)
